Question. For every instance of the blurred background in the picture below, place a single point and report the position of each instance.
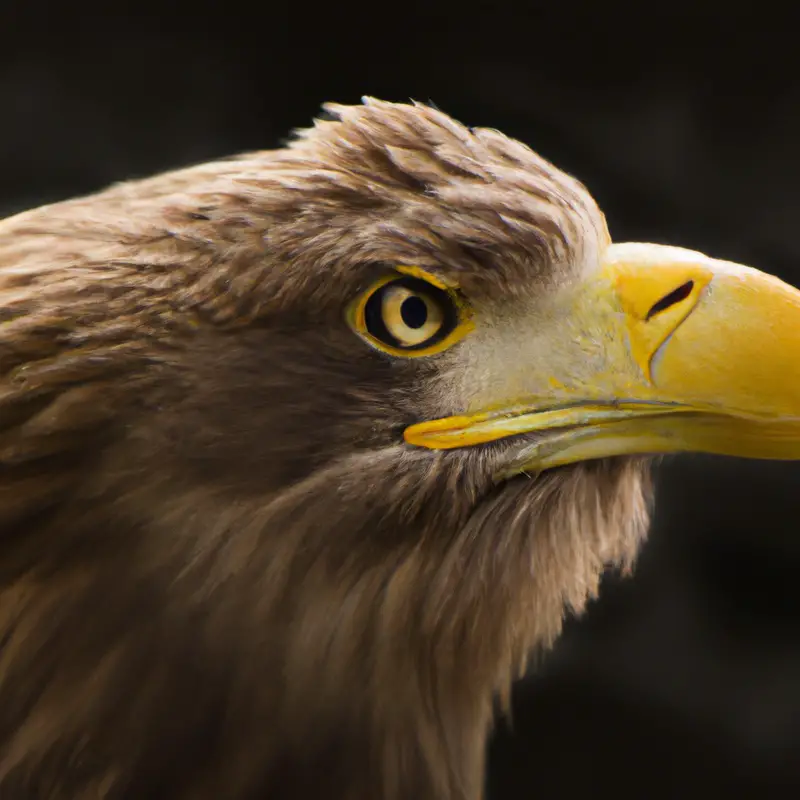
(684, 681)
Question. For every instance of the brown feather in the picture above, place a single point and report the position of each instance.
(222, 573)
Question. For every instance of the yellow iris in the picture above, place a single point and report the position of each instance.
(410, 313)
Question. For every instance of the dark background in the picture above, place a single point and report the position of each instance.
(684, 681)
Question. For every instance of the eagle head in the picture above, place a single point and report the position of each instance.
(305, 451)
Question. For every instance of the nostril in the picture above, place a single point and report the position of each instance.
(675, 296)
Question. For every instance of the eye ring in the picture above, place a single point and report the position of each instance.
(410, 313)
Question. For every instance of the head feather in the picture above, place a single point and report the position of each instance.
(223, 573)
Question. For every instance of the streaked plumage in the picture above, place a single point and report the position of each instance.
(224, 572)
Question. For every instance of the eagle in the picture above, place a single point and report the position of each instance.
(305, 452)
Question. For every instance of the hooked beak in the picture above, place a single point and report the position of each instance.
(663, 350)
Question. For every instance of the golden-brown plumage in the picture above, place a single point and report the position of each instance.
(224, 574)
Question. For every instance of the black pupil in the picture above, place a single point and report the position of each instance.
(414, 312)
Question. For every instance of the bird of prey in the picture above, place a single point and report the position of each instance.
(304, 452)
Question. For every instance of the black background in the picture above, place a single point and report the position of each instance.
(684, 121)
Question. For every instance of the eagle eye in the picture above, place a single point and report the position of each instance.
(410, 314)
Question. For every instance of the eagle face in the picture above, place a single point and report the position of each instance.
(306, 451)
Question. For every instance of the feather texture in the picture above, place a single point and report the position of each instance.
(222, 573)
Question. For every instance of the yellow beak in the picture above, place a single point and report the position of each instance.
(663, 350)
